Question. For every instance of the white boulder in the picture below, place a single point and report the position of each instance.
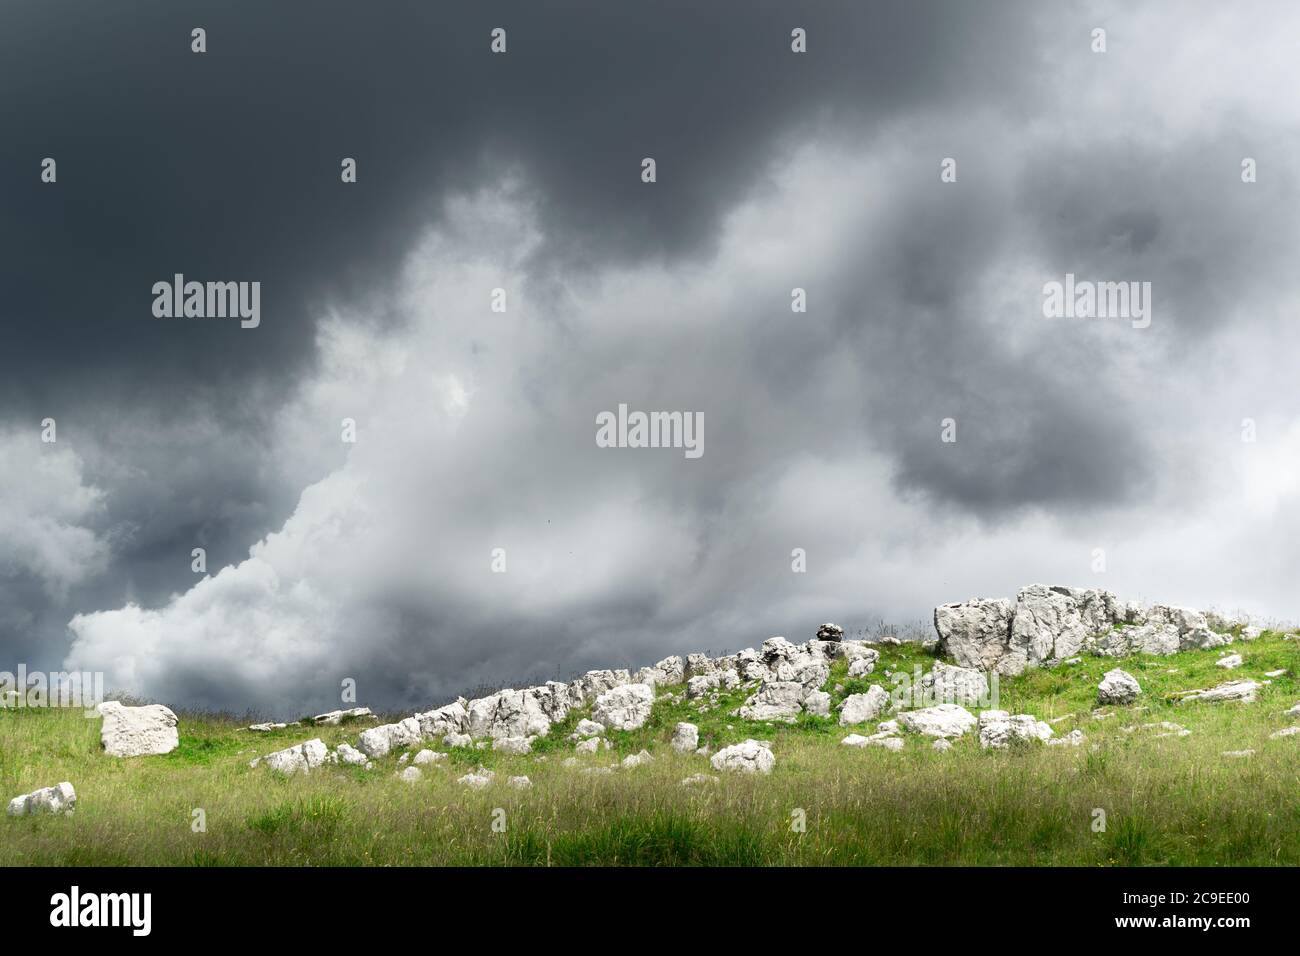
(941, 720)
(137, 731)
(1118, 687)
(60, 800)
(751, 756)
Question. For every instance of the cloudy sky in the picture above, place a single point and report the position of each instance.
(475, 429)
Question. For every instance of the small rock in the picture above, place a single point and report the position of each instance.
(686, 737)
(589, 728)
(830, 632)
(751, 756)
(303, 757)
(458, 740)
(1239, 753)
(1073, 739)
(1240, 690)
(860, 708)
(1277, 673)
(350, 755)
(1284, 732)
(941, 744)
(1230, 662)
(1118, 687)
(519, 783)
(427, 756)
(60, 800)
(410, 774)
(699, 778)
(479, 779)
(636, 760)
(514, 745)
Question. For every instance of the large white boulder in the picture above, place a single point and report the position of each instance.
(974, 633)
(1118, 687)
(508, 713)
(1054, 623)
(941, 720)
(60, 799)
(751, 756)
(624, 708)
(450, 719)
(137, 731)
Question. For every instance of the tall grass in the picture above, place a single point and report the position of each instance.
(1170, 801)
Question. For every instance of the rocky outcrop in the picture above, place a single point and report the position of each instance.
(137, 731)
(624, 708)
(1050, 624)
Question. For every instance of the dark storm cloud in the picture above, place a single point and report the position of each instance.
(226, 165)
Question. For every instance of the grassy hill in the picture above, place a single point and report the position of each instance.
(1169, 801)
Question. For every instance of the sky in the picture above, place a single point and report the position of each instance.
(1159, 462)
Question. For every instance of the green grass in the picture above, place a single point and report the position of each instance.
(1167, 801)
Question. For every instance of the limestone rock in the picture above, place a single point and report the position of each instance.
(817, 703)
(1118, 687)
(941, 720)
(1239, 690)
(479, 779)
(300, 758)
(350, 756)
(751, 756)
(686, 738)
(626, 707)
(778, 700)
(945, 684)
(859, 708)
(137, 731)
(58, 800)
(974, 633)
(380, 741)
(998, 729)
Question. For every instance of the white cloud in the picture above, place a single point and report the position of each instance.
(47, 512)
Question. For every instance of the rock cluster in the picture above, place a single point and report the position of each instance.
(1046, 624)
